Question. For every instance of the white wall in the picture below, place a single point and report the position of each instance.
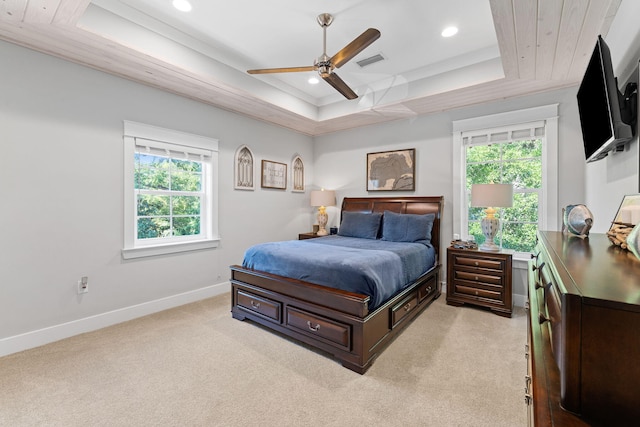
(61, 195)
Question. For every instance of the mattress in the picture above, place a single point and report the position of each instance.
(372, 267)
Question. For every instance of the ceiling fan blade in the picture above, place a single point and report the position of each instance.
(339, 85)
(355, 47)
(282, 70)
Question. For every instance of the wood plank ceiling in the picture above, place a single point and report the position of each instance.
(544, 45)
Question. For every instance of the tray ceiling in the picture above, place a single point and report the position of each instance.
(504, 48)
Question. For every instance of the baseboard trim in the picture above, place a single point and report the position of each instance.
(54, 333)
(519, 300)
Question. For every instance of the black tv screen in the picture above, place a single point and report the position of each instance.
(599, 106)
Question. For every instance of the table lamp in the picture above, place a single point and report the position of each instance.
(321, 199)
(491, 196)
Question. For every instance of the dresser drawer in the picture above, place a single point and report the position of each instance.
(553, 314)
(329, 331)
(491, 264)
(260, 305)
(403, 308)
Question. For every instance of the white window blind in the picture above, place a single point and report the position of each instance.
(504, 134)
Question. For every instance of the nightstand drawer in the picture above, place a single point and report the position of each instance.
(491, 264)
(476, 291)
(476, 277)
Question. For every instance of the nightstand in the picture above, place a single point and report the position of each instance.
(480, 278)
(304, 236)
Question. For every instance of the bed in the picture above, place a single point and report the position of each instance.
(350, 323)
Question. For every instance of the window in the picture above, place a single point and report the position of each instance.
(524, 154)
(513, 156)
(170, 191)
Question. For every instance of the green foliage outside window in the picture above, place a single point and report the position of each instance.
(168, 196)
(519, 163)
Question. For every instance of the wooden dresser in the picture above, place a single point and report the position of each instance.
(583, 346)
(480, 278)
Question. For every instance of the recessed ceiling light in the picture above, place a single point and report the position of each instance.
(449, 31)
(313, 80)
(182, 5)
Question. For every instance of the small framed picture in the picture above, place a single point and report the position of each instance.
(274, 175)
(391, 170)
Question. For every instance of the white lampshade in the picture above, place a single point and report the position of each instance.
(491, 195)
(323, 198)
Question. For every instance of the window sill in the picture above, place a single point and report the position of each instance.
(148, 251)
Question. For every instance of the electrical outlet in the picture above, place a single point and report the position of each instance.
(83, 285)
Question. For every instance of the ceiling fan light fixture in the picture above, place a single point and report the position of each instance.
(182, 5)
(313, 80)
(325, 64)
(449, 31)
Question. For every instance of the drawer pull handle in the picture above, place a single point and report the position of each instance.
(542, 318)
(538, 285)
(313, 328)
(476, 263)
(255, 305)
(428, 289)
(476, 278)
(534, 268)
(407, 306)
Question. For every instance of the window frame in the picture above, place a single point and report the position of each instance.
(134, 248)
(548, 217)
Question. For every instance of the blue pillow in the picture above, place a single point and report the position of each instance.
(406, 227)
(359, 224)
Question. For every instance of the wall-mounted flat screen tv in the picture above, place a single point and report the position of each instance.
(599, 104)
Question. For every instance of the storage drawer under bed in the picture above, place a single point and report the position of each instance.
(260, 305)
(330, 331)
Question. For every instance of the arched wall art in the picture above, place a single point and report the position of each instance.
(297, 174)
(244, 167)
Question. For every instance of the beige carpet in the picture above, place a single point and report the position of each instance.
(196, 366)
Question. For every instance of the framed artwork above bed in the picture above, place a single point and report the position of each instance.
(391, 170)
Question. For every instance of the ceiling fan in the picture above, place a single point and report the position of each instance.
(325, 65)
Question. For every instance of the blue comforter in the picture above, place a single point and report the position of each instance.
(375, 268)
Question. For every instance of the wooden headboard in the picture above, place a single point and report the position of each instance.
(404, 205)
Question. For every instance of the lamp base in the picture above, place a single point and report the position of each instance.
(489, 247)
(490, 227)
(322, 222)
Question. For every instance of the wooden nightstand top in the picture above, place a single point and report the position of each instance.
(303, 236)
